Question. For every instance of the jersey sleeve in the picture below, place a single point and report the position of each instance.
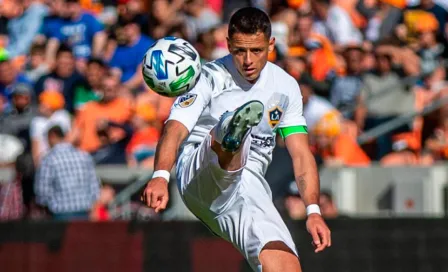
(294, 111)
(188, 108)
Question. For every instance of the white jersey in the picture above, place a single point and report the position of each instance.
(221, 88)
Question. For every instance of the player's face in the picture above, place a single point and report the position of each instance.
(250, 53)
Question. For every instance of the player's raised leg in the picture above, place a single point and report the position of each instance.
(229, 140)
(231, 133)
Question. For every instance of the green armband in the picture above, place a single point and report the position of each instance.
(286, 131)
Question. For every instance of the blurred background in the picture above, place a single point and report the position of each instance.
(374, 82)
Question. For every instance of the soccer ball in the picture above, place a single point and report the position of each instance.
(171, 66)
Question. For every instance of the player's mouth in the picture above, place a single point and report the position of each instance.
(249, 71)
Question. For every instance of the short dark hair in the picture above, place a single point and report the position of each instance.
(98, 61)
(134, 20)
(37, 48)
(250, 21)
(56, 131)
(63, 48)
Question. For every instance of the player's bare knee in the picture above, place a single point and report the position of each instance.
(227, 160)
(277, 256)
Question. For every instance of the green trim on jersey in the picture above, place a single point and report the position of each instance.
(286, 131)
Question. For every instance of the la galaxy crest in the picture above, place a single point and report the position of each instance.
(186, 100)
(275, 115)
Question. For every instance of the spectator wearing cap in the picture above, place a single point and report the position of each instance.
(9, 75)
(80, 30)
(336, 147)
(127, 58)
(91, 119)
(87, 87)
(25, 26)
(142, 146)
(66, 181)
(430, 51)
(17, 121)
(439, 12)
(62, 78)
(51, 113)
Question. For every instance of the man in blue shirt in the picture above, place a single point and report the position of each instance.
(129, 53)
(79, 30)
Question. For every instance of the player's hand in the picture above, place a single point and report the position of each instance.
(316, 226)
(155, 194)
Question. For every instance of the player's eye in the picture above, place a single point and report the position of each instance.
(240, 51)
(256, 50)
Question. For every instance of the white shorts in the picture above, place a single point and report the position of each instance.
(233, 204)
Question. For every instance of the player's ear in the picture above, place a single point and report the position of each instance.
(271, 44)
(228, 44)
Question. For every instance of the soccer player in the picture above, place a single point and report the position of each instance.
(225, 130)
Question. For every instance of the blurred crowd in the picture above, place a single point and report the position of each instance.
(70, 84)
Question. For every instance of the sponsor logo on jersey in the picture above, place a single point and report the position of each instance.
(275, 115)
(263, 141)
(186, 100)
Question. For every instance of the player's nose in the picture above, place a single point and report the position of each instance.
(247, 60)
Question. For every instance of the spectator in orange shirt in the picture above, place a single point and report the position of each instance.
(111, 108)
(142, 147)
(336, 148)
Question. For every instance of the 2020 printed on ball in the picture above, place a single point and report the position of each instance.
(171, 66)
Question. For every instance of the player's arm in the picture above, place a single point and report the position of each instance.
(307, 179)
(294, 131)
(184, 114)
(174, 134)
(305, 169)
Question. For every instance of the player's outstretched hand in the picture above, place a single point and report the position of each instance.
(316, 226)
(155, 194)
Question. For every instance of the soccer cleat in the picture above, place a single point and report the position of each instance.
(234, 126)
